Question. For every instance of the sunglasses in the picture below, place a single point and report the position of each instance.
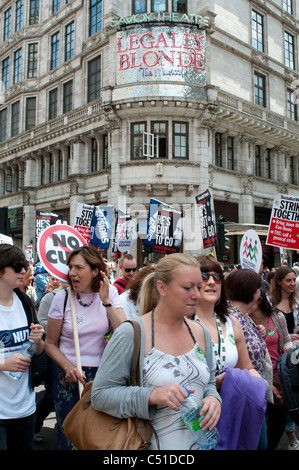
(216, 276)
(17, 267)
(130, 269)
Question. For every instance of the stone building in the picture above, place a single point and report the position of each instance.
(109, 102)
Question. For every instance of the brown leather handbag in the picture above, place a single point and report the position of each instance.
(89, 429)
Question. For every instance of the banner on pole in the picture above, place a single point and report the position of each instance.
(101, 226)
(251, 254)
(284, 223)
(53, 246)
(164, 227)
(206, 213)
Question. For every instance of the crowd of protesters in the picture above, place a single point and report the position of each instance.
(204, 328)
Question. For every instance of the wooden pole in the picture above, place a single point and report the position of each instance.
(76, 338)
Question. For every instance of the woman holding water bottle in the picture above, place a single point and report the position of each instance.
(176, 359)
(18, 324)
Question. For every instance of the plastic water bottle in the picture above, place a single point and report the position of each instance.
(190, 412)
(27, 350)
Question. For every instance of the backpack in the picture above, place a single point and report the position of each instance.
(288, 365)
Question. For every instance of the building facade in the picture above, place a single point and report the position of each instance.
(108, 102)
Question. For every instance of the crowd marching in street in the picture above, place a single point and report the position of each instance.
(212, 333)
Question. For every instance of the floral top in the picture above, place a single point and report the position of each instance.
(256, 345)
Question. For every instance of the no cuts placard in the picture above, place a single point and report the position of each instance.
(53, 246)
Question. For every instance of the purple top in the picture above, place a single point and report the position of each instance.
(256, 345)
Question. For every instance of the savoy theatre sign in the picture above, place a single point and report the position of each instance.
(161, 61)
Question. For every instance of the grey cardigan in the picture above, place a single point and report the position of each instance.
(110, 391)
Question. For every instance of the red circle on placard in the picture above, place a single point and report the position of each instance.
(41, 247)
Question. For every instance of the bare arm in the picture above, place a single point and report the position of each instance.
(54, 327)
(116, 315)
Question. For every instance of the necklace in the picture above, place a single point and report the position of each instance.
(82, 303)
(221, 346)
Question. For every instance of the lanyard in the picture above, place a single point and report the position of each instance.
(221, 347)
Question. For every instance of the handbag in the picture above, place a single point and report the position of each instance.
(89, 429)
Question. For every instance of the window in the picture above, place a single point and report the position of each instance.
(54, 51)
(55, 6)
(159, 5)
(139, 6)
(15, 117)
(68, 96)
(218, 149)
(69, 41)
(289, 48)
(105, 150)
(258, 160)
(5, 73)
(259, 89)
(137, 130)
(94, 155)
(7, 24)
(95, 16)
(160, 131)
(17, 66)
(291, 106)
(60, 165)
(53, 103)
(292, 171)
(288, 6)
(3, 124)
(230, 153)
(51, 168)
(19, 14)
(42, 170)
(34, 12)
(180, 140)
(179, 6)
(268, 173)
(30, 113)
(32, 60)
(257, 31)
(94, 79)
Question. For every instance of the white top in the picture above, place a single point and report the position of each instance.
(92, 324)
(190, 370)
(17, 399)
(131, 310)
(230, 358)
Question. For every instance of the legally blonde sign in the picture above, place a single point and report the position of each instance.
(158, 55)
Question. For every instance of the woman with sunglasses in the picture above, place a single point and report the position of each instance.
(18, 324)
(226, 332)
(98, 307)
(232, 362)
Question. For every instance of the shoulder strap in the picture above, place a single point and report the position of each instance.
(65, 300)
(28, 306)
(135, 376)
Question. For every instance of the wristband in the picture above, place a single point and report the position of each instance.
(107, 305)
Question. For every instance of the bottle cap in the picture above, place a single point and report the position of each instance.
(186, 390)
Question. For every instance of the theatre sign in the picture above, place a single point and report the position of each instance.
(156, 60)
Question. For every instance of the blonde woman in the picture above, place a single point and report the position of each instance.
(175, 353)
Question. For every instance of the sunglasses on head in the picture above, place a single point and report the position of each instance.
(217, 277)
(130, 269)
(17, 267)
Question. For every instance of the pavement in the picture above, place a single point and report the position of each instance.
(49, 433)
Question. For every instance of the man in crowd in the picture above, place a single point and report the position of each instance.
(128, 269)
